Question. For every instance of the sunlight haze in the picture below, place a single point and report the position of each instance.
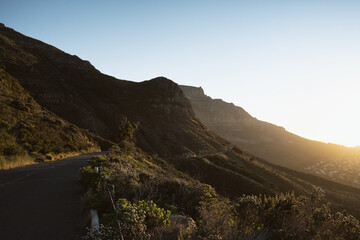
(295, 64)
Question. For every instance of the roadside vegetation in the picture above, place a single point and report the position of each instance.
(152, 200)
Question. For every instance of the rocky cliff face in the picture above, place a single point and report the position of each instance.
(221, 116)
(215, 112)
(167, 97)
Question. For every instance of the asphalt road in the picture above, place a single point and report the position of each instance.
(42, 201)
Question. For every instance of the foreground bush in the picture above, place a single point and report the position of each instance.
(154, 216)
(283, 216)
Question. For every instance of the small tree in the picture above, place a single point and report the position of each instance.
(126, 129)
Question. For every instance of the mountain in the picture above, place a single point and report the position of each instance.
(154, 115)
(76, 91)
(272, 142)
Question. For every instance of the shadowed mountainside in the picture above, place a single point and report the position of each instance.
(28, 128)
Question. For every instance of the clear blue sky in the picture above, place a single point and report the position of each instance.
(292, 63)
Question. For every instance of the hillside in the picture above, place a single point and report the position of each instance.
(28, 129)
(274, 143)
(155, 116)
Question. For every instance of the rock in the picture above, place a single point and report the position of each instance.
(180, 226)
(216, 112)
(193, 92)
(180, 220)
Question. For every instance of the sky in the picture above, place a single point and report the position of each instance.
(292, 63)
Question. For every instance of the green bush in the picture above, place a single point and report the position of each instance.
(155, 216)
(139, 221)
(132, 220)
(97, 161)
(89, 177)
(115, 159)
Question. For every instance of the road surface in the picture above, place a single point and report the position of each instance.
(42, 201)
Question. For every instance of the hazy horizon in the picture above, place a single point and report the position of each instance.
(291, 64)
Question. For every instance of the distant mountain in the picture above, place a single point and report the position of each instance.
(272, 142)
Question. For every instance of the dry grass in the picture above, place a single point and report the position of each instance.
(74, 154)
(15, 161)
(8, 162)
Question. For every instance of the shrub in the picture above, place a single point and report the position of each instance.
(140, 221)
(94, 200)
(217, 221)
(89, 177)
(132, 220)
(126, 130)
(103, 233)
(12, 149)
(97, 161)
(155, 216)
(115, 159)
(49, 157)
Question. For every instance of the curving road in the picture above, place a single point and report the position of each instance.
(42, 201)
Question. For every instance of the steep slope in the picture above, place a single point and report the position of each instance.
(274, 143)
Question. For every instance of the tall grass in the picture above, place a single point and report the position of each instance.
(15, 161)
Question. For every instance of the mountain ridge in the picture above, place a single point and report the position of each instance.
(269, 141)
